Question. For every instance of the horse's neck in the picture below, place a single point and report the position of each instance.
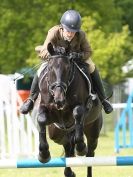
(87, 77)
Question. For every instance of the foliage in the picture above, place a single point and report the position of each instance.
(24, 25)
(108, 50)
(127, 12)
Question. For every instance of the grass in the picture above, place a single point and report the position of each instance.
(105, 148)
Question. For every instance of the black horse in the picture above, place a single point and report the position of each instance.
(68, 109)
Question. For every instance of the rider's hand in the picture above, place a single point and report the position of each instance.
(75, 55)
(44, 54)
(38, 48)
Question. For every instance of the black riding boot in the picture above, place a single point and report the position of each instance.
(29, 103)
(98, 87)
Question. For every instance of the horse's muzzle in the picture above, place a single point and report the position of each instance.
(59, 104)
(59, 95)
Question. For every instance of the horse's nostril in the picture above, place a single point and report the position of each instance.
(60, 103)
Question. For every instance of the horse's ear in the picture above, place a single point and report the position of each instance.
(50, 49)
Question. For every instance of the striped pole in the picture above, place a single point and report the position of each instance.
(68, 162)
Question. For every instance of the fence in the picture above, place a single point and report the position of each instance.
(124, 127)
(18, 134)
(69, 162)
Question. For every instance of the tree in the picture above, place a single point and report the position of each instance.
(126, 7)
(24, 25)
(109, 51)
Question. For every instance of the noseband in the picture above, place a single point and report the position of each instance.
(54, 85)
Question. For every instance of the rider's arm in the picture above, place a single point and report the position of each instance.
(50, 38)
(87, 51)
(85, 46)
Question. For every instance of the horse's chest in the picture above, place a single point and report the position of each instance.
(74, 100)
(61, 116)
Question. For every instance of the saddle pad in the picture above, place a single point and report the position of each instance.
(42, 67)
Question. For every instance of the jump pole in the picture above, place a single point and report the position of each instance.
(68, 162)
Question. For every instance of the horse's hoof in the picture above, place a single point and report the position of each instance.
(72, 175)
(82, 153)
(44, 158)
(81, 150)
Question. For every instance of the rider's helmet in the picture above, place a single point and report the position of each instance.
(71, 21)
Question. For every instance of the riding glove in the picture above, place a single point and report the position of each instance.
(75, 55)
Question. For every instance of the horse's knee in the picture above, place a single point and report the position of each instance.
(41, 119)
(78, 112)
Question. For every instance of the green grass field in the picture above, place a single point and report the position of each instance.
(105, 147)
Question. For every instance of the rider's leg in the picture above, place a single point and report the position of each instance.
(98, 87)
(29, 103)
(34, 92)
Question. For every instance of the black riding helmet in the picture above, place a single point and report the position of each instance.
(71, 20)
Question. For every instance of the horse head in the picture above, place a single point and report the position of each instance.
(59, 68)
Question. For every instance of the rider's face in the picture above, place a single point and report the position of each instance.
(68, 35)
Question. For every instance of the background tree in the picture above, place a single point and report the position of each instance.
(24, 25)
(108, 50)
(126, 7)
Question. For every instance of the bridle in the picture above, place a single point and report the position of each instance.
(63, 85)
(54, 85)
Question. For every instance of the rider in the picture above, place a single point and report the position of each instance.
(69, 36)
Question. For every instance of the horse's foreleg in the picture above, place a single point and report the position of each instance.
(92, 132)
(78, 114)
(69, 152)
(44, 154)
(92, 144)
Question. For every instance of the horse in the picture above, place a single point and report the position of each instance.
(69, 110)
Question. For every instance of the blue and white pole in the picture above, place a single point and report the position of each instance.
(68, 162)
